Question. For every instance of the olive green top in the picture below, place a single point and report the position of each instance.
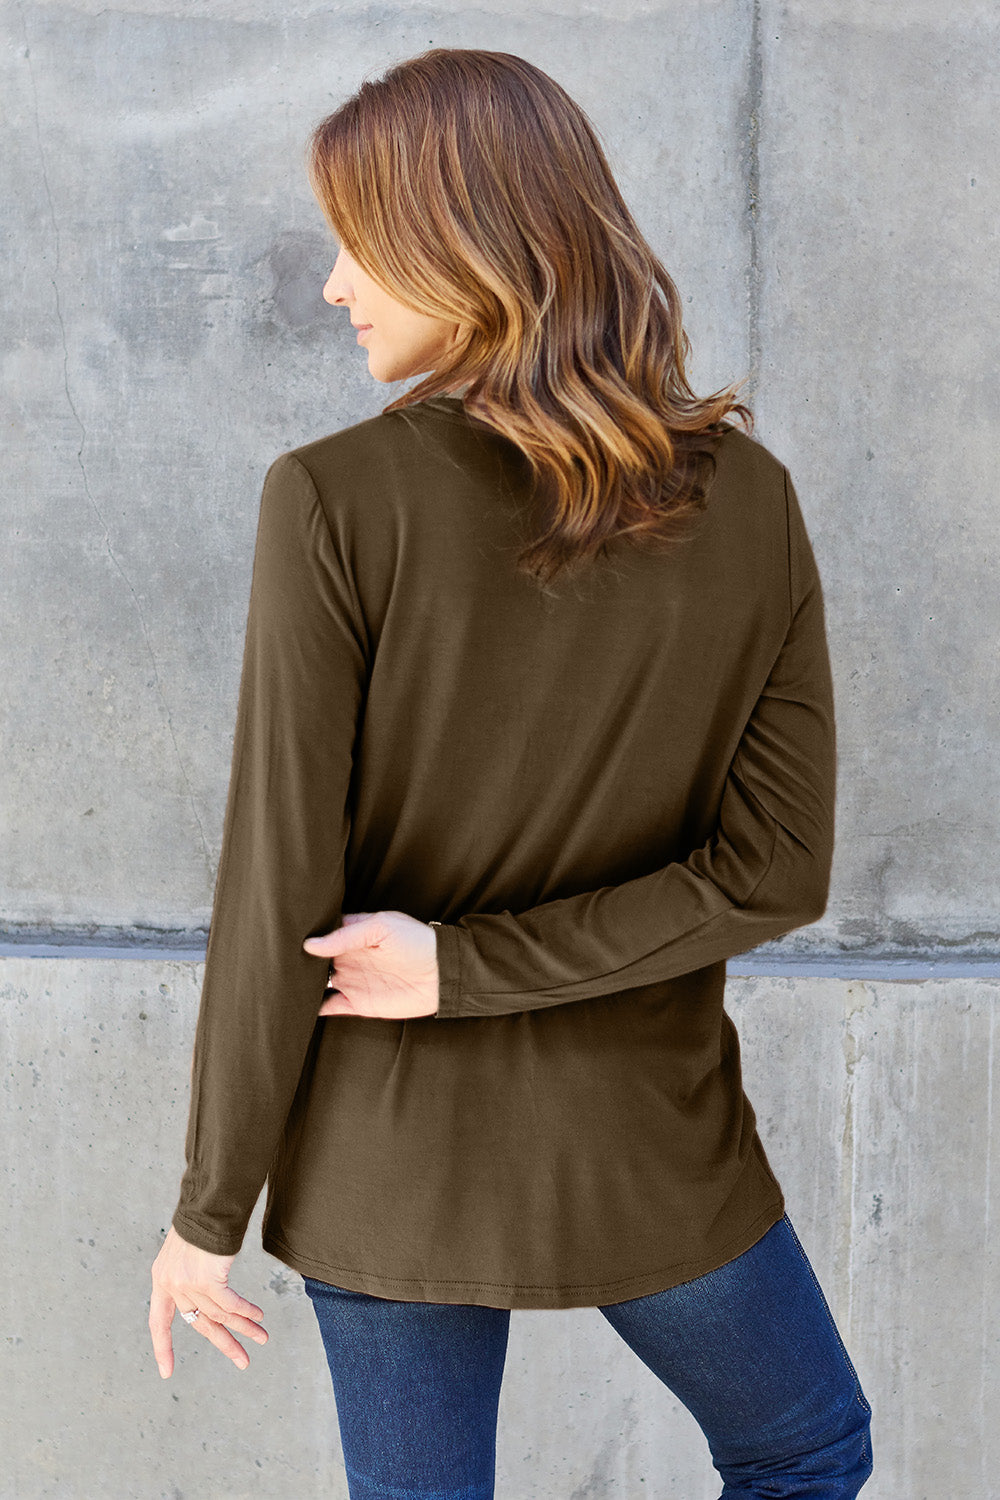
(602, 789)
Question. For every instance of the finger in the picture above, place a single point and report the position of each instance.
(333, 1008)
(161, 1315)
(336, 1004)
(322, 947)
(344, 1007)
(222, 1339)
(351, 934)
(219, 1301)
(229, 1300)
(236, 1321)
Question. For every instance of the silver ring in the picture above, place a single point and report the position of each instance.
(189, 1317)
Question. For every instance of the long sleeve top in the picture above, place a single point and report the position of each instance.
(602, 789)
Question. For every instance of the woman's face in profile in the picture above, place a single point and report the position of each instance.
(399, 341)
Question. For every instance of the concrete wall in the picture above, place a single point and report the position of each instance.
(875, 1103)
(821, 180)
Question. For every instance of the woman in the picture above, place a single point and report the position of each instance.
(535, 685)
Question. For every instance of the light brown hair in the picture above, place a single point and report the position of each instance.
(471, 187)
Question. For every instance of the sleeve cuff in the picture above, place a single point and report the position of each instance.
(449, 958)
(205, 1239)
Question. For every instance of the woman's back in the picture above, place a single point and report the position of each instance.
(602, 789)
(520, 744)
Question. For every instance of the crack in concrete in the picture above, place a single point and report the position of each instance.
(161, 697)
(857, 999)
(751, 155)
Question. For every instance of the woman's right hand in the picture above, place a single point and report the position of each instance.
(184, 1278)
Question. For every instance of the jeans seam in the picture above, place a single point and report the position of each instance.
(859, 1394)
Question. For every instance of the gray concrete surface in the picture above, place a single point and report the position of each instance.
(821, 179)
(875, 1103)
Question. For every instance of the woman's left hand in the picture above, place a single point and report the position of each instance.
(385, 963)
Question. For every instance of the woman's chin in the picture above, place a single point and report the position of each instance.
(378, 371)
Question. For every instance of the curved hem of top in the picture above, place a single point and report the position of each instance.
(518, 1298)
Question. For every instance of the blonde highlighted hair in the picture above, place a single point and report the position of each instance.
(472, 188)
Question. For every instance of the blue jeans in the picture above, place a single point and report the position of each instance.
(751, 1349)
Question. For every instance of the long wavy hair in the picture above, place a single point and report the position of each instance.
(471, 187)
